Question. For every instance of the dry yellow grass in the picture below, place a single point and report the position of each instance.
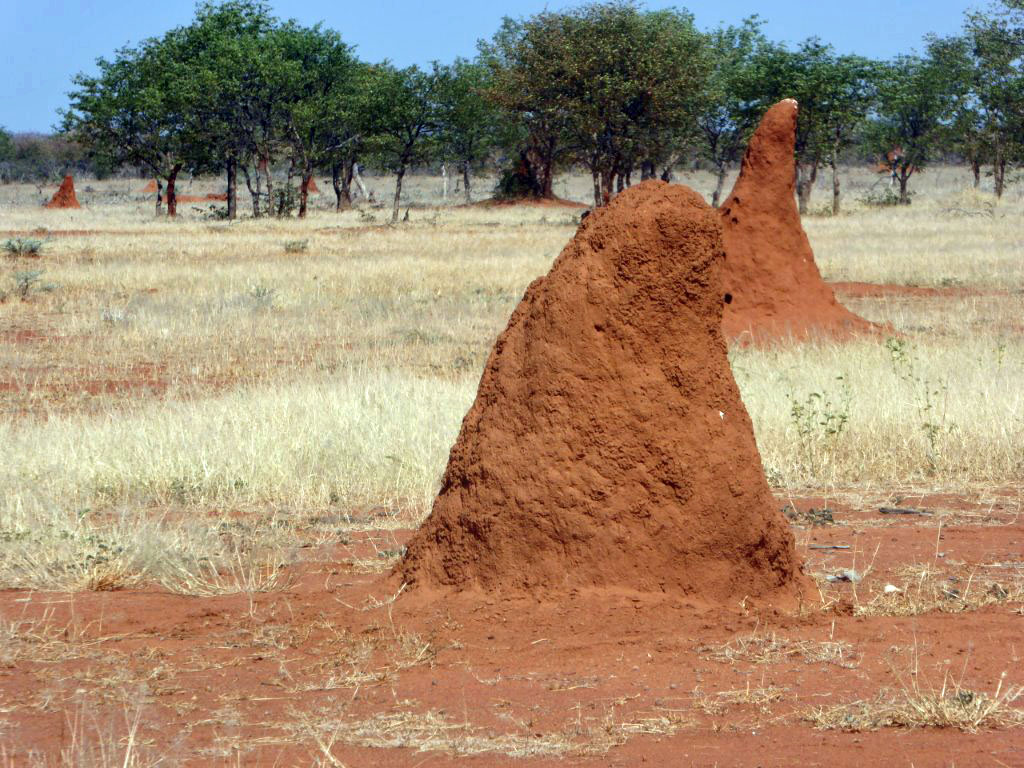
(158, 369)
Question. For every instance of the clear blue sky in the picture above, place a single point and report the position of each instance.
(45, 42)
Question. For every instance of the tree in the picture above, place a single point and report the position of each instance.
(964, 132)
(725, 121)
(527, 80)
(833, 94)
(345, 130)
(6, 155)
(316, 67)
(468, 124)
(915, 96)
(223, 44)
(142, 109)
(847, 93)
(404, 110)
(603, 84)
(996, 43)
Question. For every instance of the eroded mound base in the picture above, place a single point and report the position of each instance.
(608, 446)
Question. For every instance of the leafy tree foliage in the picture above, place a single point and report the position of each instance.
(915, 96)
(608, 86)
(725, 119)
(468, 124)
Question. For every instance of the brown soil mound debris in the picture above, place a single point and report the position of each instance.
(608, 446)
(149, 189)
(772, 287)
(65, 196)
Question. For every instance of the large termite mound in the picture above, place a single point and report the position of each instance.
(608, 446)
(149, 189)
(771, 285)
(65, 197)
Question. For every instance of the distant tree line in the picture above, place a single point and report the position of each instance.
(620, 91)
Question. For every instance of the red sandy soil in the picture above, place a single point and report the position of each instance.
(220, 680)
(772, 287)
(313, 189)
(65, 196)
(212, 196)
(608, 446)
(149, 189)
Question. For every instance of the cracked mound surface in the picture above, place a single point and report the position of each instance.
(770, 281)
(608, 446)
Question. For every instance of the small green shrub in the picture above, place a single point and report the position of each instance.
(25, 281)
(883, 198)
(23, 246)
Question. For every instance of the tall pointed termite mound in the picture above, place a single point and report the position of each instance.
(608, 446)
(65, 197)
(771, 285)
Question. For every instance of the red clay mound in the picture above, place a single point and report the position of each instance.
(608, 446)
(771, 284)
(65, 196)
(312, 189)
(149, 189)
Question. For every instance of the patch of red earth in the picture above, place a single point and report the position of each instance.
(233, 675)
(22, 336)
(212, 197)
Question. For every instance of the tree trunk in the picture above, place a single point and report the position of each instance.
(904, 177)
(307, 174)
(398, 193)
(172, 199)
(547, 180)
(597, 187)
(232, 187)
(716, 196)
(255, 193)
(647, 170)
(264, 166)
(999, 176)
(359, 180)
(976, 170)
(620, 182)
(805, 184)
(835, 186)
(159, 196)
(607, 180)
(465, 182)
(444, 182)
(342, 186)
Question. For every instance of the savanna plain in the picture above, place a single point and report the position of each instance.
(215, 438)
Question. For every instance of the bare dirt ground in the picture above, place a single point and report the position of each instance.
(334, 662)
(179, 592)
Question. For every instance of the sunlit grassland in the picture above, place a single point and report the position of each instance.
(162, 376)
